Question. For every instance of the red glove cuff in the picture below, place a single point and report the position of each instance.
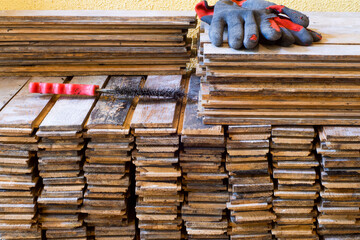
(202, 9)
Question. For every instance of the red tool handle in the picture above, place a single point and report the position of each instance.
(61, 88)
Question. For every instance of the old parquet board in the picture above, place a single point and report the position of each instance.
(109, 200)
(19, 177)
(9, 87)
(250, 183)
(158, 175)
(202, 163)
(61, 159)
(339, 206)
(295, 170)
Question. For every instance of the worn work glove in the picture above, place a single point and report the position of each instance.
(243, 25)
(292, 23)
(272, 27)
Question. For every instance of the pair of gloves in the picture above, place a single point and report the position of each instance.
(248, 20)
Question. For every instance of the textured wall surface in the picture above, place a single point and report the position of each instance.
(303, 5)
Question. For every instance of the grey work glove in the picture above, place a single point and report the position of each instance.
(243, 25)
(278, 24)
(295, 16)
(292, 24)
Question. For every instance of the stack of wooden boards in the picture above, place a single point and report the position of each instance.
(203, 173)
(340, 178)
(298, 85)
(68, 43)
(45, 137)
(107, 169)
(250, 184)
(61, 160)
(297, 188)
(158, 175)
(19, 178)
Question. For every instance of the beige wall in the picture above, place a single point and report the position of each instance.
(304, 5)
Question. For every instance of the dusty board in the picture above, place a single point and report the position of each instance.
(9, 87)
(113, 111)
(24, 109)
(157, 113)
(194, 125)
(69, 112)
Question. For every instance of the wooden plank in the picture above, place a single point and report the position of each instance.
(193, 124)
(92, 37)
(9, 87)
(281, 73)
(315, 52)
(70, 112)
(113, 111)
(126, 51)
(281, 64)
(157, 113)
(27, 110)
(78, 14)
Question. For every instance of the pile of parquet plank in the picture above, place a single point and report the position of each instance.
(250, 184)
(296, 174)
(297, 85)
(108, 200)
(19, 178)
(204, 177)
(68, 43)
(61, 162)
(158, 175)
(340, 178)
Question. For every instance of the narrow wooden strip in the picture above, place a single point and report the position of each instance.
(9, 86)
(112, 111)
(70, 112)
(27, 110)
(193, 124)
(157, 113)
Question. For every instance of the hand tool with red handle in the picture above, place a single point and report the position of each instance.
(94, 90)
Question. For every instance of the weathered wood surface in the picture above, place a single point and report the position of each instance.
(203, 172)
(155, 123)
(112, 111)
(297, 85)
(296, 172)
(8, 16)
(19, 179)
(338, 208)
(27, 110)
(61, 162)
(9, 87)
(193, 124)
(250, 185)
(157, 113)
(70, 112)
(36, 43)
(315, 52)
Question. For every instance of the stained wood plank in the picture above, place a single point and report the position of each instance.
(70, 112)
(27, 110)
(157, 113)
(9, 87)
(111, 111)
(193, 124)
(312, 53)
